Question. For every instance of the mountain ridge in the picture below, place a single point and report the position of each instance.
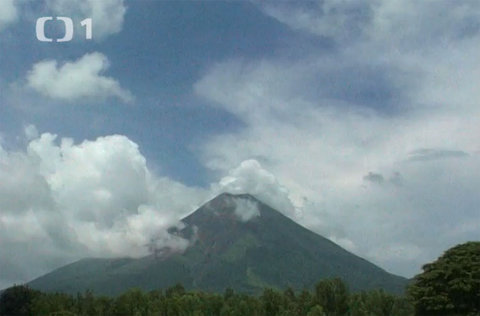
(229, 249)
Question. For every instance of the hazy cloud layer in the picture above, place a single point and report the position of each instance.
(330, 18)
(82, 78)
(341, 129)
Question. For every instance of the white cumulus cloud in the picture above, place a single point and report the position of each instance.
(74, 80)
(61, 201)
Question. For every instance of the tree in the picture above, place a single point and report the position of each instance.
(17, 300)
(178, 289)
(304, 302)
(229, 292)
(317, 310)
(379, 303)
(272, 302)
(53, 304)
(290, 302)
(132, 302)
(333, 296)
(451, 284)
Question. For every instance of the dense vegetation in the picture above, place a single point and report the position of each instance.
(329, 297)
(451, 284)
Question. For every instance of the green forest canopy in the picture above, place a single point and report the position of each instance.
(451, 284)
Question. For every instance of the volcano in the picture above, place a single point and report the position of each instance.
(236, 241)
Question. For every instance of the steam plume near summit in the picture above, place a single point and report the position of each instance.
(245, 209)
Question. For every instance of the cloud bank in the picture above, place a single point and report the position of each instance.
(62, 201)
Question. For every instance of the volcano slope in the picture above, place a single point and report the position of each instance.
(236, 241)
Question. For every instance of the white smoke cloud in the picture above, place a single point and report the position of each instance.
(245, 209)
(249, 177)
(77, 79)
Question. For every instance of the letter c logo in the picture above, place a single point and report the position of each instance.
(40, 29)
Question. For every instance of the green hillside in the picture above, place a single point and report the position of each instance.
(269, 250)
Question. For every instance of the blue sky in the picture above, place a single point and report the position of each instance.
(164, 47)
(358, 119)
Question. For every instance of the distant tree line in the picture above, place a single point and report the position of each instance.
(329, 297)
(448, 286)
